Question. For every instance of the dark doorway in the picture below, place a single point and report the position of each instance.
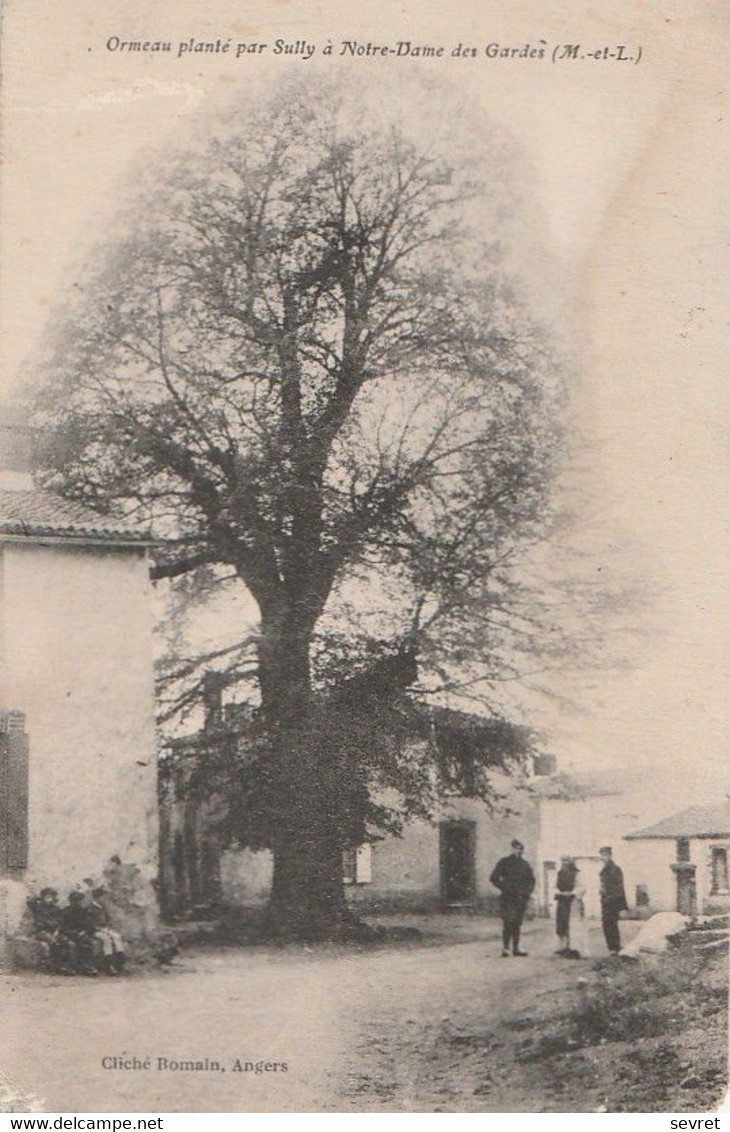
(457, 850)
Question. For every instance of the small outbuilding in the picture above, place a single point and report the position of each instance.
(701, 843)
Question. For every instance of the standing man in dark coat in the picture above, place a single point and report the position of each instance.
(515, 880)
(613, 899)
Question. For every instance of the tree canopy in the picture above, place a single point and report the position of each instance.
(302, 360)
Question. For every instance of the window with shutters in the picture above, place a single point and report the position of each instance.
(13, 793)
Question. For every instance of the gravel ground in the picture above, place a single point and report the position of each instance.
(414, 1025)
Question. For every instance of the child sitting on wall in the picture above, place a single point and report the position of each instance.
(108, 943)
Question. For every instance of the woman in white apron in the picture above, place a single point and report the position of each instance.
(579, 921)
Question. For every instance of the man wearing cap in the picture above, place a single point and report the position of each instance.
(515, 880)
(613, 899)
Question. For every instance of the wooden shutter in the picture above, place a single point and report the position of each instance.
(363, 864)
(13, 792)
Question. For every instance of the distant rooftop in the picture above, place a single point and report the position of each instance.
(571, 787)
(37, 514)
(697, 821)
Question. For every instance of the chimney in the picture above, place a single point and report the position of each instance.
(545, 765)
(15, 447)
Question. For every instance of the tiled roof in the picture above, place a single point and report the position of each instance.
(42, 514)
(697, 821)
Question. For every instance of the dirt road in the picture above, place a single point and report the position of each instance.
(358, 1029)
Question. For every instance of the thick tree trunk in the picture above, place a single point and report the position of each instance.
(307, 899)
(284, 669)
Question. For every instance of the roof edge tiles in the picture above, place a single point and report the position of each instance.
(37, 515)
(701, 822)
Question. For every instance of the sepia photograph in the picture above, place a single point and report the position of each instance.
(363, 552)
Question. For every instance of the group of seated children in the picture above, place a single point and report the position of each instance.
(78, 938)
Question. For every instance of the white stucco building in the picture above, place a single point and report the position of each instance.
(693, 849)
(76, 660)
(578, 815)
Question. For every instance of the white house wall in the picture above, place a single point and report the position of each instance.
(579, 827)
(649, 863)
(76, 657)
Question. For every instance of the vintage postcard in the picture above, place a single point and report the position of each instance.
(363, 508)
